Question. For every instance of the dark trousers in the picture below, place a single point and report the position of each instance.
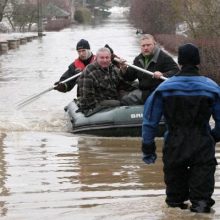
(132, 98)
(195, 183)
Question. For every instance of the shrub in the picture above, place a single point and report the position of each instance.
(171, 41)
(57, 25)
(209, 52)
(210, 56)
(82, 15)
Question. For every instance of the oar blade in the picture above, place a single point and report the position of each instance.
(32, 98)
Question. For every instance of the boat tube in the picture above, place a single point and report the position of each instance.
(120, 121)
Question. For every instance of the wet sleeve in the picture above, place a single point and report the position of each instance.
(170, 67)
(69, 73)
(216, 116)
(131, 73)
(153, 109)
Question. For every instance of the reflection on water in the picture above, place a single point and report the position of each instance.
(48, 173)
(3, 174)
(117, 163)
(58, 175)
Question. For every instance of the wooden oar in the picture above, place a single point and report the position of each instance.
(138, 68)
(33, 98)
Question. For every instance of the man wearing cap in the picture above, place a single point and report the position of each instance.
(187, 101)
(85, 57)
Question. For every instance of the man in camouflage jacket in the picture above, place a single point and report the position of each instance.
(99, 83)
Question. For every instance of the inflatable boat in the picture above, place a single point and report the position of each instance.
(118, 121)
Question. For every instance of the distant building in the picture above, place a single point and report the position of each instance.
(66, 5)
(55, 18)
(53, 12)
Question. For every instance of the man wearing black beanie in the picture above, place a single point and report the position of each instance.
(188, 54)
(85, 57)
(187, 101)
(83, 44)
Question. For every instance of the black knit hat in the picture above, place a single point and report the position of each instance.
(188, 54)
(83, 44)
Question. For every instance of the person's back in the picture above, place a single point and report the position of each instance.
(187, 101)
(187, 112)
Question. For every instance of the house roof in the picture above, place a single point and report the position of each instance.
(52, 10)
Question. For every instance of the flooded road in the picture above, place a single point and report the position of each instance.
(46, 172)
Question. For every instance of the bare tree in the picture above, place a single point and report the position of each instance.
(3, 4)
(21, 16)
(154, 16)
(201, 16)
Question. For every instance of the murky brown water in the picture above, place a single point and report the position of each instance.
(46, 172)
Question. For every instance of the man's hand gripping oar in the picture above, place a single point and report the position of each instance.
(33, 98)
(123, 62)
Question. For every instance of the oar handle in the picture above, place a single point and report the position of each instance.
(138, 68)
(70, 78)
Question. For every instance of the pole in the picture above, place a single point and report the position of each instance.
(84, 3)
(33, 98)
(140, 69)
(40, 22)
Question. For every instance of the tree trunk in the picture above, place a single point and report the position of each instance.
(3, 4)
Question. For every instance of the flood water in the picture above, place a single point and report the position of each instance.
(46, 172)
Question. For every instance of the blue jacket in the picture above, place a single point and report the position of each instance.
(180, 86)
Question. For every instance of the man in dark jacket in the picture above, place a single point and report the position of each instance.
(151, 58)
(85, 57)
(187, 101)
